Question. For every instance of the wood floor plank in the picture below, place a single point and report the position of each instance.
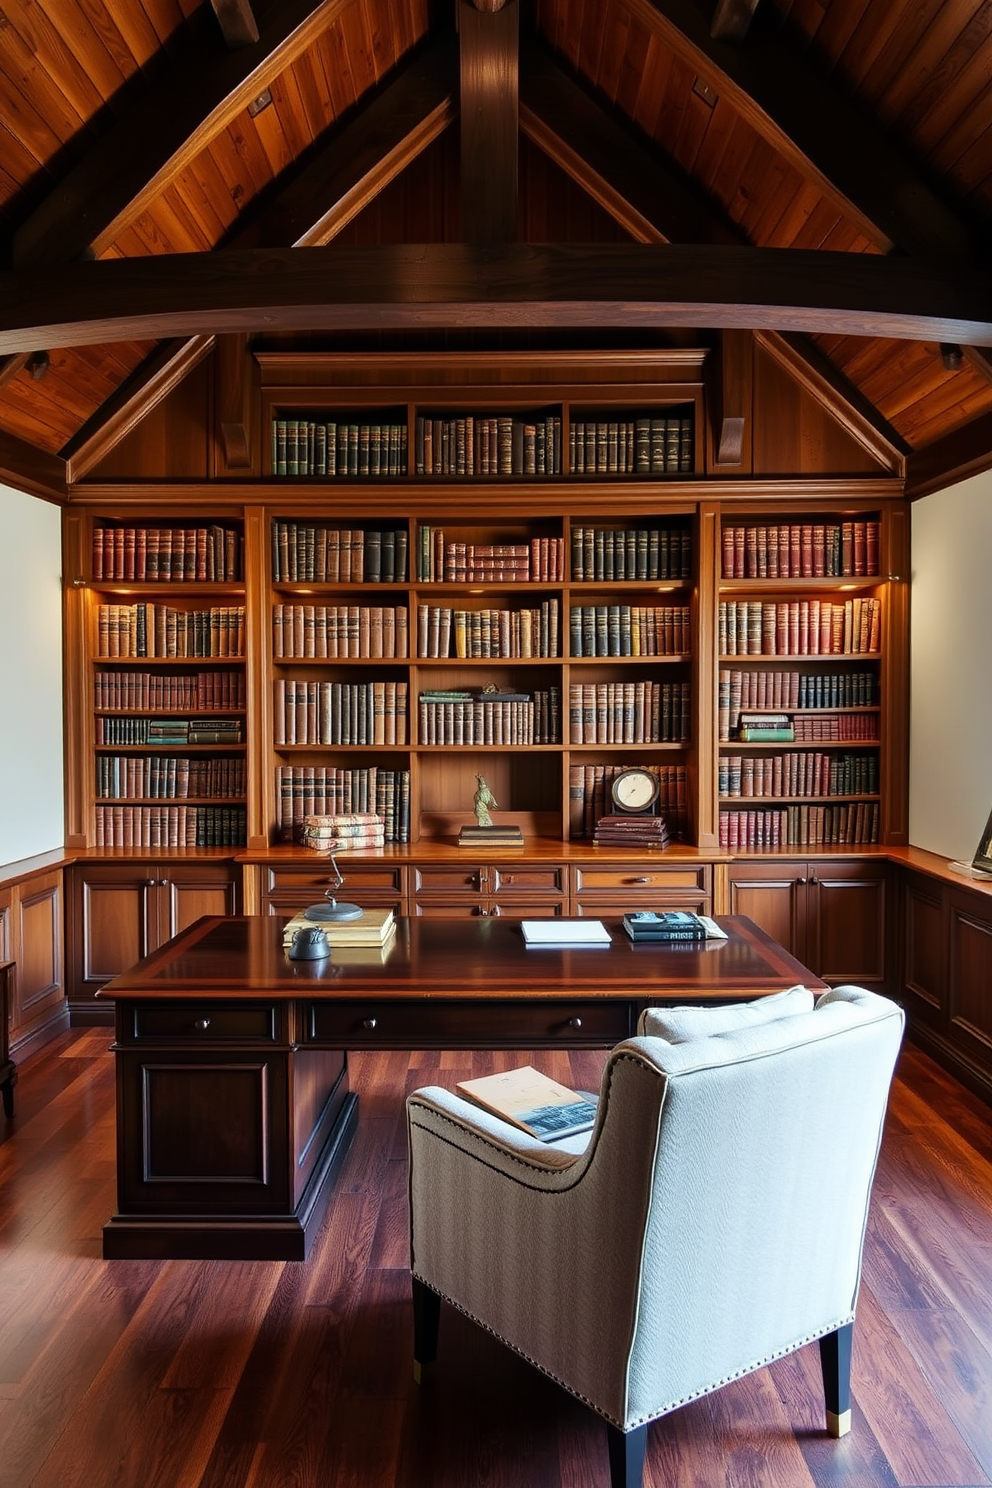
(282, 1375)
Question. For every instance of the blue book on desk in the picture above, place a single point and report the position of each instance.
(671, 925)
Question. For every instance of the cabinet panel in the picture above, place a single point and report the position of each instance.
(846, 924)
(117, 922)
(969, 1001)
(924, 948)
(191, 892)
(773, 895)
(39, 980)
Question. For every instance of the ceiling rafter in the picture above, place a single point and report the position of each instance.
(489, 72)
(626, 177)
(352, 164)
(517, 284)
(817, 128)
(168, 123)
(237, 22)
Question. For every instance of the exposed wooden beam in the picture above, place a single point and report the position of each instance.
(852, 410)
(10, 366)
(626, 175)
(32, 470)
(169, 122)
(731, 19)
(235, 400)
(817, 128)
(237, 23)
(734, 400)
(152, 381)
(445, 284)
(355, 161)
(488, 48)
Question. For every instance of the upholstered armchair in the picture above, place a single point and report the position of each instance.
(712, 1222)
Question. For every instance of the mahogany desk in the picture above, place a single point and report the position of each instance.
(233, 1107)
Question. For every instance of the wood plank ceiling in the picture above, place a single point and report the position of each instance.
(139, 128)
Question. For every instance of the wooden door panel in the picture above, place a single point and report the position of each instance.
(119, 923)
(190, 894)
(846, 937)
(39, 978)
(774, 897)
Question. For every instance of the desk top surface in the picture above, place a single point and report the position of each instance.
(232, 956)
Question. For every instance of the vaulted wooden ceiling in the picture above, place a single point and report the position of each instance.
(818, 174)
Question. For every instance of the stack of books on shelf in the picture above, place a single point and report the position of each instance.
(472, 717)
(309, 553)
(201, 691)
(803, 773)
(620, 830)
(340, 713)
(804, 627)
(319, 790)
(311, 446)
(354, 831)
(671, 925)
(482, 444)
(600, 553)
(211, 554)
(499, 835)
(160, 630)
(651, 444)
(480, 634)
(794, 691)
(629, 712)
(766, 728)
(335, 631)
(441, 560)
(629, 630)
(799, 826)
(806, 550)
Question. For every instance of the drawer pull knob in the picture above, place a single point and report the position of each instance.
(575, 1022)
(642, 879)
(201, 1025)
(370, 1024)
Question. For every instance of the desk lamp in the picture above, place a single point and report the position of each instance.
(333, 912)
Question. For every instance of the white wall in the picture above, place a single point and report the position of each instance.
(31, 760)
(950, 785)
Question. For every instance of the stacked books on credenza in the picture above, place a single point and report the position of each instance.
(352, 831)
(620, 830)
(671, 926)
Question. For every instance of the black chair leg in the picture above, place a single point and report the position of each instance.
(835, 1363)
(627, 1450)
(426, 1319)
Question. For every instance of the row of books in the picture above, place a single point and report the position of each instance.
(443, 560)
(804, 627)
(629, 712)
(802, 773)
(630, 630)
(165, 731)
(852, 728)
(132, 777)
(647, 445)
(340, 713)
(312, 553)
(318, 790)
(608, 553)
(589, 796)
(304, 630)
(170, 826)
(762, 829)
(486, 444)
(442, 631)
(160, 630)
(201, 691)
(305, 446)
(758, 688)
(461, 718)
(213, 554)
(800, 550)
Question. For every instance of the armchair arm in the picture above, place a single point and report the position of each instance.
(490, 1138)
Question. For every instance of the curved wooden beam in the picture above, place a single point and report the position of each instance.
(348, 288)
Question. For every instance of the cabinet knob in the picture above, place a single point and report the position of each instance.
(370, 1024)
(643, 879)
(575, 1022)
(800, 880)
(201, 1025)
(813, 878)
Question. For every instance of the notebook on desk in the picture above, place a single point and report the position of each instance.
(565, 933)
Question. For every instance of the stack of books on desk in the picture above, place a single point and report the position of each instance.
(671, 926)
(631, 831)
(375, 928)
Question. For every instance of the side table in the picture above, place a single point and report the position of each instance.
(8, 1070)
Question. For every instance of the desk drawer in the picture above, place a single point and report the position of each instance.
(511, 879)
(370, 1024)
(201, 1023)
(643, 878)
(357, 876)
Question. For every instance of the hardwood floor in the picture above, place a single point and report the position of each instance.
(268, 1375)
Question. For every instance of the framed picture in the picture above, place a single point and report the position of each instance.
(983, 854)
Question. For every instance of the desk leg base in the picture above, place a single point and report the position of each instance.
(278, 1237)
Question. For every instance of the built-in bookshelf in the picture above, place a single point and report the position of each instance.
(807, 588)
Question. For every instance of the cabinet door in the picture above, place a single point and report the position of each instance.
(773, 895)
(924, 940)
(40, 994)
(846, 929)
(189, 892)
(969, 975)
(114, 920)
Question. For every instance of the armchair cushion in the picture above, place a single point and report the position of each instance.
(683, 1025)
